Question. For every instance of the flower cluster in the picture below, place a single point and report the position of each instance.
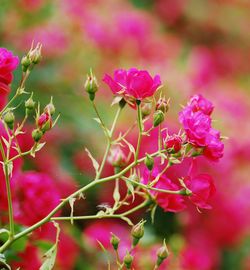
(197, 123)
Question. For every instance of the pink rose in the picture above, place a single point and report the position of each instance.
(199, 103)
(202, 187)
(168, 202)
(35, 195)
(135, 84)
(197, 126)
(8, 63)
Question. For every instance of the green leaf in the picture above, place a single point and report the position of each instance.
(50, 255)
(3, 264)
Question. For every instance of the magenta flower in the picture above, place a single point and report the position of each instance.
(168, 202)
(215, 149)
(202, 187)
(197, 126)
(34, 191)
(8, 63)
(133, 84)
(199, 103)
(196, 120)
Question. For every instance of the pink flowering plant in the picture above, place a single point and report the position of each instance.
(31, 200)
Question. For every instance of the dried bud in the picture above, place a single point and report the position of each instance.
(114, 241)
(91, 85)
(117, 157)
(30, 104)
(173, 143)
(158, 118)
(146, 109)
(137, 232)
(162, 254)
(44, 122)
(37, 135)
(162, 105)
(25, 62)
(149, 162)
(50, 108)
(9, 119)
(128, 259)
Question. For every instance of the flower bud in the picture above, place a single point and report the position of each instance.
(37, 135)
(9, 119)
(158, 118)
(162, 105)
(137, 232)
(91, 86)
(128, 259)
(146, 109)
(162, 254)
(35, 55)
(149, 162)
(173, 143)
(30, 104)
(25, 62)
(50, 108)
(117, 157)
(44, 122)
(114, 241)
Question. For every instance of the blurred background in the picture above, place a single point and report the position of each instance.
(196, 47)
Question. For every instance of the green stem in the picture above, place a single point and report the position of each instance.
(109, 143)
(9, 197)
(73, 195)
(178, 192)
(139, 119)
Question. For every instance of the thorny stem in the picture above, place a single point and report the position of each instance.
(73, 195)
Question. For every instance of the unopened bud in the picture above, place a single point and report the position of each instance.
(128, 259)
(114, 241)
(30, 104)
(173, 143)
(35, 55)
(162, 105)
(37, 135)
(137, 232)
(149, 162)
(44, 122)
(9, 119)
(50, 108)
(158, 118)
(117, 158)
(91, 85)
(25, 62)
(162, 254)
(146, 109)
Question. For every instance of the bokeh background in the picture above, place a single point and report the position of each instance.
(196, 47)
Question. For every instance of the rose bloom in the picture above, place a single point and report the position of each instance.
(8, 63)
(168, 202)
(133, 84)
(34, 191)
(199, 103)
(197, 126)
(202, 187)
